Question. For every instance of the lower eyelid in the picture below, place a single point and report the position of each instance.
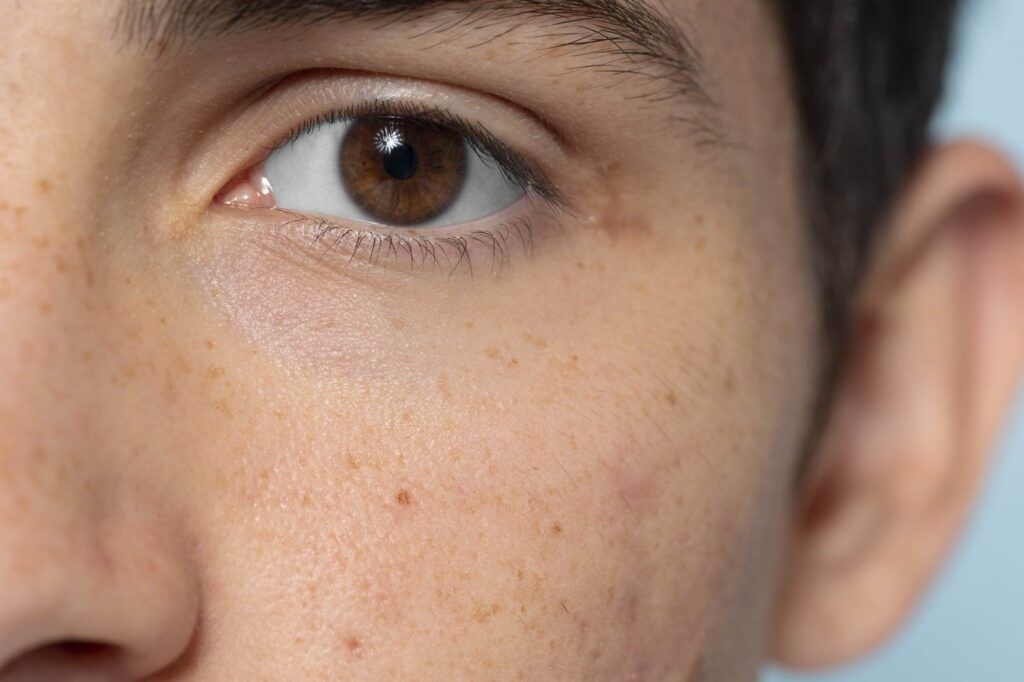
(484, 247)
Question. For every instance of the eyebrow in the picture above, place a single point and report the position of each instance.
(618, 37)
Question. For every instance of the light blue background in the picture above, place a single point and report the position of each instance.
(972, 627)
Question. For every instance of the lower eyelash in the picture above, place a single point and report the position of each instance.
(469, 252)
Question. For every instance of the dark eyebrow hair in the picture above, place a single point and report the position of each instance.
(619, 37)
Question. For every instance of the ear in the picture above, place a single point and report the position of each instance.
(937, 342)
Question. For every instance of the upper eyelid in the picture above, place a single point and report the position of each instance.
(249, 131)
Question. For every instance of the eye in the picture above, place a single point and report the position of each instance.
(390, 170)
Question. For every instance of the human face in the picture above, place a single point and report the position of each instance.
(246, 432)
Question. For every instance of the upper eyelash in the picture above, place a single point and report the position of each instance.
(516, 167)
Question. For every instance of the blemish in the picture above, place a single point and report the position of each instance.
(403, 498)
(513, 363)
(556, 529)
(214, 373)
(671, 398)
(398, 323)
(354, 646)
(44, 185)
(209, 345)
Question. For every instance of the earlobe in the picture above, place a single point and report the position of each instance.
(938, 340)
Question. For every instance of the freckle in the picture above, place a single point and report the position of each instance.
(699, 219)
(306, 502)
(556, 529)
(353, 463)
(729, 384)
(41, 243)
(671, 398)
(513, 363)
(224, 408)
(214, 373)
(470, 325)
(208, 344)
(264, 475)
(403, 498)
(398, 323)
(90, 278)
(45, 308)
(44, 185)
(442, 387)
(493, 353)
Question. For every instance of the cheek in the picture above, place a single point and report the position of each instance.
(565, 484)
(563, 526)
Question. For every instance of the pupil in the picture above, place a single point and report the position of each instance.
(401, 162)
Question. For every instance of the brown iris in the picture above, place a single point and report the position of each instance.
(402, 172)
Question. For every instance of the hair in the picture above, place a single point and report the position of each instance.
(868, 77)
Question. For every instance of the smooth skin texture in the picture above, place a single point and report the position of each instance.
(227, 452)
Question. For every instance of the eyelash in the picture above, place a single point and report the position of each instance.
(517, 168)
(422, 249)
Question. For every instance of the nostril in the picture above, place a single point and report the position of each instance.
(66, 655)
(78, 648)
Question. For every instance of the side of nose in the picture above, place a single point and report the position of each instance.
(88, 589)
(95, 579)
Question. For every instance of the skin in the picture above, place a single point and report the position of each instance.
(228, 453)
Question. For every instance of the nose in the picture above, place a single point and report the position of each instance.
(95, 575)
(88, 591)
